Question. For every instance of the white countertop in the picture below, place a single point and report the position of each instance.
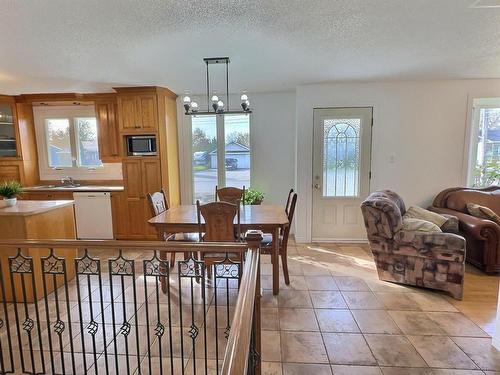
(27, 208)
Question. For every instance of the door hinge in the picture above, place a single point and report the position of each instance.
(370, 175)
(372, 122)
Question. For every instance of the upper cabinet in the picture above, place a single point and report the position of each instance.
(8, 128)
(107, 125)
(138, 112)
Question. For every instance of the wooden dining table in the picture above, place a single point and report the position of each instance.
(267, 218)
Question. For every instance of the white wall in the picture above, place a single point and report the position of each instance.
(272, 137)
(423, 125)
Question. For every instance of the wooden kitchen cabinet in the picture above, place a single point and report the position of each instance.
(141, 176)
(119, 213)
(47, 195)
(11, 171)
(107, 130)
(138, 113)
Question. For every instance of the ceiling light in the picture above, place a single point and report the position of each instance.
(218, 106)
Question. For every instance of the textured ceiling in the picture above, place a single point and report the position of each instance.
(91, 45)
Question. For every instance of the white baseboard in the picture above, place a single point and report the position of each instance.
(495, 342)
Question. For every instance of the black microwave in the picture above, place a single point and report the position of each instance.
(141, 145)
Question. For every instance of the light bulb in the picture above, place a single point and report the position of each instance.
(247, 102)
(194, 106)
(186, 100)
(220, 104)
(215, 99)
(244, 97)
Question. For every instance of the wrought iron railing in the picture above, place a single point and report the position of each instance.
(119, 307)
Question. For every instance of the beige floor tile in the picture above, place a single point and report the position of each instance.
(294, 298)
(386, 286)
(448, 355)
(362, 300)
(271, 368)
(356, 370)
(306, 369)
(271, 346)
(348, 348)
(461, 372)
(297, 320)
(303, 347)
(375, 321)
(329, 299)
(321, 283)
(392, 350)
(456, 324)
(397, 301)
(315, 269)
(268, 299)
(432, 302)
(406, 371)
(297, 282)
(335, 320)
(480, 351)
(351, 284)
(415, 323)
(269, 319)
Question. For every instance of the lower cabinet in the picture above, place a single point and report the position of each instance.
(47, 195)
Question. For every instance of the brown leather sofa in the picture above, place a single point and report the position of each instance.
(482, 236)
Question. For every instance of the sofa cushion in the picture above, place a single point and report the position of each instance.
(415, 212)
(412, 225)
(483, 212)
(458, 200)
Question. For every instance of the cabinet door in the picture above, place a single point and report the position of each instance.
(107, 130)
(136, 223)
(148, 113)
(132, 177)
(120, 214)
(11, 171)
(9, 129)
(128, 108)
(151, 177)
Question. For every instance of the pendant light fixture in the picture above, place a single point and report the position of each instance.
(215, 104)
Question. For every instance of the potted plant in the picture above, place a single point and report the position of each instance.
(253, 196)
(9, 191)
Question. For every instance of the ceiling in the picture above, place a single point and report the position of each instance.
(274, 45)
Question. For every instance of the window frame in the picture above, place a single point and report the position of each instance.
(71, 112)
(473, 134)
(221, 156)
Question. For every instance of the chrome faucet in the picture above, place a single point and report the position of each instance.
(67, 180)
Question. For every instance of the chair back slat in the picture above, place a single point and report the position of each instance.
(219, 221)
(290, 213)
(158, 202)
(288, 201)
(232, 195)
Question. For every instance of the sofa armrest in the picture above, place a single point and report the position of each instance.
(437, 245)
(482, 229)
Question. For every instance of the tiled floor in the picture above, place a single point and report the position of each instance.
(337, 318)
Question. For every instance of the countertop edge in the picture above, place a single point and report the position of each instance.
(56, 205)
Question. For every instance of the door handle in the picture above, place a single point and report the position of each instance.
(316, 186)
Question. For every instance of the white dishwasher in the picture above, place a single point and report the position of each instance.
(93, 216)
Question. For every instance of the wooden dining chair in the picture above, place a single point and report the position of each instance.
(158, 203)
(232, 195)
(267, 240)
(219, 227)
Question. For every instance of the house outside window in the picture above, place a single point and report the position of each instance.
(484, 163)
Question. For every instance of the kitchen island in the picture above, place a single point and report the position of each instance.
(36, 220)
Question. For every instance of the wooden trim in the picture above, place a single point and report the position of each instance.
(145, 89)
(247, 309)
(127, 245)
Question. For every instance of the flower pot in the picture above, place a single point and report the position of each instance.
(10, 202)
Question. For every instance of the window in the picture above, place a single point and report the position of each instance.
(221, 153)
(67, 140)
(484, 163)
(341, 157)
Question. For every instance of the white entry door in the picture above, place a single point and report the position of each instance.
(341, 172)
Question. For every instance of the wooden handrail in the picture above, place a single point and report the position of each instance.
(127, 245)
(239, 341)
